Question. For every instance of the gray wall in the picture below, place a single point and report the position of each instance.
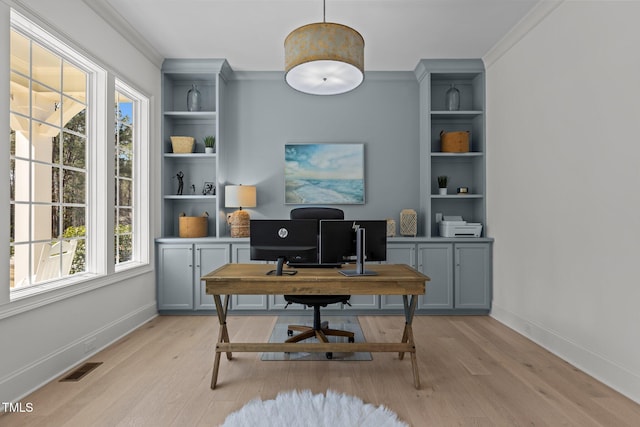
(263, 114)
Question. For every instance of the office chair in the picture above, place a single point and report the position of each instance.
(319, 329)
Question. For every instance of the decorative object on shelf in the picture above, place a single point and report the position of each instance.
(454, 142)
(182, 144)
(193, 188)
(180, 177)
(193, 226)
(324, 58)
(209, 144)
(239, 196)
(442, 184)
(391, 227)
(209, 189)
(463, 190)
(408, 222)
(308, 179)
(193, 98)
(453, 98)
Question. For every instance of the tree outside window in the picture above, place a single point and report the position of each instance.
(124, 176)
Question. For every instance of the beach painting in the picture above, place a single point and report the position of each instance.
(330, 173)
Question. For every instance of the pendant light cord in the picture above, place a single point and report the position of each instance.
(324, 11)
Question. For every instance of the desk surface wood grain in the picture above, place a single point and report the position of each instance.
(248, 279)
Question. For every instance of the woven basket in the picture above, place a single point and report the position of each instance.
(182, 144)
(193, 226)
(454, 142)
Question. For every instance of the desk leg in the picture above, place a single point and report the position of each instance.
(407, 335)
(223, 335)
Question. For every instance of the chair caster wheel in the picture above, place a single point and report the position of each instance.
(351, 339)
(289, 332)
(329, 355)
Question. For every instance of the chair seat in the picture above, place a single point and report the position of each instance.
(321, 300)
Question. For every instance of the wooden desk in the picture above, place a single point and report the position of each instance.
(250, 279)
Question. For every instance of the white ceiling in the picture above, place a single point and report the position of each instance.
(250, 33)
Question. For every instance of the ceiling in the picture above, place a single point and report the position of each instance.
(250, 33)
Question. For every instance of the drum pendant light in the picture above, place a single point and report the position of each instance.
(324, 58)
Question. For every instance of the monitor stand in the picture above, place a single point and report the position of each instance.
(278, 271)
(360, 256)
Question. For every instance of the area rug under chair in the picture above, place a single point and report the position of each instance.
(346, 323)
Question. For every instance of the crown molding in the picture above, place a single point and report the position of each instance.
(531, 20)
(113, 18)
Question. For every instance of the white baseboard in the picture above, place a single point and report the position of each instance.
(40, 372)
(606, 371)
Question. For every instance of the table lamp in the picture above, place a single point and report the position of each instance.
(239, 196)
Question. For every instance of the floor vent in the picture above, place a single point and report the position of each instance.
(81, 371)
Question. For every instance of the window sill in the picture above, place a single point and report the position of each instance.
(33, 297)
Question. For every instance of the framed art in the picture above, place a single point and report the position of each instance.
(209, 189)
(324, 173)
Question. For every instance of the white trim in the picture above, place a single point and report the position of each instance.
(49, 293)
(29, 378)
(111, 16)
(536, 15)
(97, 131)
(604, 370)
(141, 154)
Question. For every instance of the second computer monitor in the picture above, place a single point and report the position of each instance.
(338, 240)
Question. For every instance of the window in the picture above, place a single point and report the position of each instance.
(124, 175)
(131, 165)
(64, 159)
(48, 163)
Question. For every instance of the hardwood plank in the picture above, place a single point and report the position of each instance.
(474, 371)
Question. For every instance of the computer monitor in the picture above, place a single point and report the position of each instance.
(338, 241)
(282, 240)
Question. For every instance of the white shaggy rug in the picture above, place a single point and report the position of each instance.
(301, 408)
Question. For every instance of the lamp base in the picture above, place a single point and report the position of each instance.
(239, 223)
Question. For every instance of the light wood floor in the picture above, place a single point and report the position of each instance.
(474, 372)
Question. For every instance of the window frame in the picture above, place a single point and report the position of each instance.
(140, 135)
(100, 266)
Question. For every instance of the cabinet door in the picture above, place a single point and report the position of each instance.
(208, 257)
(175, 277)
(240, 253)
(398, 253)
(473, 275)
(436, 261)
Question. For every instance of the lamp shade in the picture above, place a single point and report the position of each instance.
(240, 196)
(324, 59)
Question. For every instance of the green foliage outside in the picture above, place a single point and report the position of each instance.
(123, 247)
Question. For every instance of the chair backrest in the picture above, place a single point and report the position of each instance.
(51, 265)
(316, 213)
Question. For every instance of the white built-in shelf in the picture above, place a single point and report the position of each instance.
(190, 155)
(457, 196)
(445, 114)
(468, 154)
(191, 114)
(188, 197)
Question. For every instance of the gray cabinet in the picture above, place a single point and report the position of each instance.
(180, 267)
(472, 276)
(398, 253)
(436, 261)
(241, 254)
(460, 276)
(208, 257)
(175, 277)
